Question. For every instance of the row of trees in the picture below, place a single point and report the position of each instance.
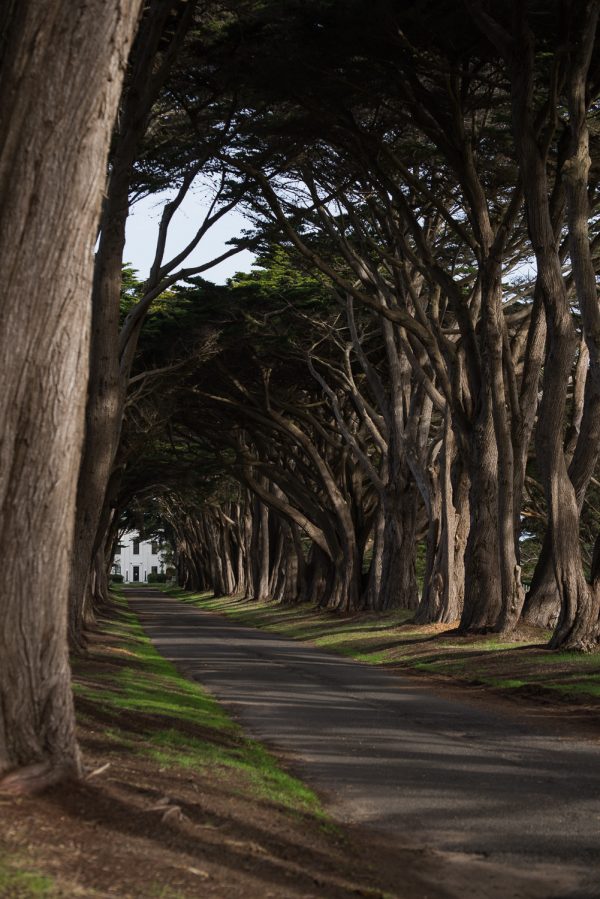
(416, 364)
(444, 193)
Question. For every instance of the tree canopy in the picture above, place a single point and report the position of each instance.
(400, 404)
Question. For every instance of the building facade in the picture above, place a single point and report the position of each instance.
(136, 559)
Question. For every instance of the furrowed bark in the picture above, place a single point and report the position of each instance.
(59, 88)
(578, 617)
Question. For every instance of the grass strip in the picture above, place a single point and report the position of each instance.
(186, 727)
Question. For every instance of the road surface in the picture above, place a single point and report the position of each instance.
(499, 808)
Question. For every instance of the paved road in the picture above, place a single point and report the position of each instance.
(502, 810)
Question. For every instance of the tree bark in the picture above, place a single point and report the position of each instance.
(398, 588)
(59, 89)
(260, 553)
(577, 625)
(107, 385)
(444, 583)
(483, 587)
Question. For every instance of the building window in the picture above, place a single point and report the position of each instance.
(136, 547)
(154, 548)
(155, 569)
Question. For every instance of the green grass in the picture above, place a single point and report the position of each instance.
(16, 883)
(506, 683)
(554, 658)
(158, 891)
(184, 726)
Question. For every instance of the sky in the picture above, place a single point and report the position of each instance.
(142, 228)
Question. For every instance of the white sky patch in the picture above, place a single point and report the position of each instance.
(142, 229)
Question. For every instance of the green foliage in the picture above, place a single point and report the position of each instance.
(160, 578)
(130, 289)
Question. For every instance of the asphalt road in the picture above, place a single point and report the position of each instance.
(494, 808)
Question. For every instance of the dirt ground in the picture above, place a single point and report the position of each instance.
(141, 831)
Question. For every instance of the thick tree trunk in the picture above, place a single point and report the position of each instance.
(301, 567)
(317, 576)
(260, 552)
(277, 542)
(398, 587)
(373, 585)
(99, 598)
(512, 595)
(289, 592)
(225, 555)
(108, 379)
(59, 89)
(577, 625)
(483, 587)
(247, 524)
(240, 568)
(542, 603)
(444, 583)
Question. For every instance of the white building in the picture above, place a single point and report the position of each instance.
(136, 559)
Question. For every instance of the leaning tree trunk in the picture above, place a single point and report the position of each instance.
(542, 603)
(577, 626)
(60, 81)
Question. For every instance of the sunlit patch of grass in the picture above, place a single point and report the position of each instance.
(580, 687)
(371, 658)
(159, 891)
(251, 758)
(505, 683)
(591, 658)
(443, 666)
(173, 707)
(16, 883)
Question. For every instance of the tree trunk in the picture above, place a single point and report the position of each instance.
(59, 89)
(317, 576)
(260, 552)
(542, 603)
(512, 595)
(577, 625)
(107, 385)
(373, 585)
(444, 584)
(398, 587)
(483, 594)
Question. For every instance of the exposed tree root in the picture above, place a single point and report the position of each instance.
(32, 779)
